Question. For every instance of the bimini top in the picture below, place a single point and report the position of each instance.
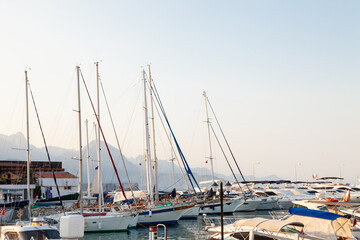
(273, 225)
(316, 214)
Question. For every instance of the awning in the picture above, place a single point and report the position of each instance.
(315, 213)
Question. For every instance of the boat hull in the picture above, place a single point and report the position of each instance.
(248, 206)
(111, 222)
(229, 206)
(268, 204)
(191, 213)
(166, 215)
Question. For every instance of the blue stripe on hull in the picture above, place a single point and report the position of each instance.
(157, 211)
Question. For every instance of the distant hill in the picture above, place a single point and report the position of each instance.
(11, 148)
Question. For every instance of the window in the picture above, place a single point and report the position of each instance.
(67, 187)
(11, 236)
(40, 235)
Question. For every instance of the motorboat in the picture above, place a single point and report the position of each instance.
(300, 224)
(39, 229)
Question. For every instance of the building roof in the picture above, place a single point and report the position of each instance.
(57, 175)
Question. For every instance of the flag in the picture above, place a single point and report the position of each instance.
(3, 211)
(347, 196)
(206, 161)
(36, 198)
(355, 221)
(97, 167)
(314, 176)
(145, 157)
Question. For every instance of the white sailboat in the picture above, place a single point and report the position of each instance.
(230, 204)
(102, 221)
(99, 221)
(33, 229)
(168, 213)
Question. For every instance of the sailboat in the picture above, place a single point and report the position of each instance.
(231, 204)
(35, 227)
(98, 221)
(155, 213)
(101, 221)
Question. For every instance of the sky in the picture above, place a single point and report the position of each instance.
(282, 77)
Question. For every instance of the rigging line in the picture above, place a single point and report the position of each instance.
(61, 108)
(107, 146)
(195, 130)
(9, 124)
(132, 117)
(46, 148)
(232, 171)
(178, 147)
(172, 184)
(233, 157)
(117, 140)
(172, 147)
(186, 166)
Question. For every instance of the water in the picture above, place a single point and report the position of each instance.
(185, 229)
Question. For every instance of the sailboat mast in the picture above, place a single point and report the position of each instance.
(208, 128)
(154, 145)
(27, 145)
(147, 145)
(80, 145)
(87, 158)
(99, 138)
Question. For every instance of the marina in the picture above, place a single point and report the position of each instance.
(157, 120)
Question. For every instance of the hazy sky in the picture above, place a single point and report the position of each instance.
(282, 76)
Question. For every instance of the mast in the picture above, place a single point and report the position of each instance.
(154, 144)
(27, 145)
(99, 138)
(87, 157)
(208, 128)
(147, 145)
(172, 159)
(80, 145)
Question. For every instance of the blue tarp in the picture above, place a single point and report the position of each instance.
(315, 213)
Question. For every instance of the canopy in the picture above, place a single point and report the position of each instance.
(252, 222)
(276, 225)
(338, 204)
(314, 213)
(137, 194)
(265, 223)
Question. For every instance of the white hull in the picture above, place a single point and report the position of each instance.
(109, 222)
(165, 215)
(191, 213)
(267, 204)
(284, 204)
(229, 206)
(248, 206)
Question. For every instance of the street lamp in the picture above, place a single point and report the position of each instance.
(215, 187)
(228, 187)
(254, 169)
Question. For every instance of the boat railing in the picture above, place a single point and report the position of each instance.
(212, 221)
(279, 214)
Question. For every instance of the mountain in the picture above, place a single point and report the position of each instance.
(12, 148)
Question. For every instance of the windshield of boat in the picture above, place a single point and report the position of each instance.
(40, 235)
(269, 193)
